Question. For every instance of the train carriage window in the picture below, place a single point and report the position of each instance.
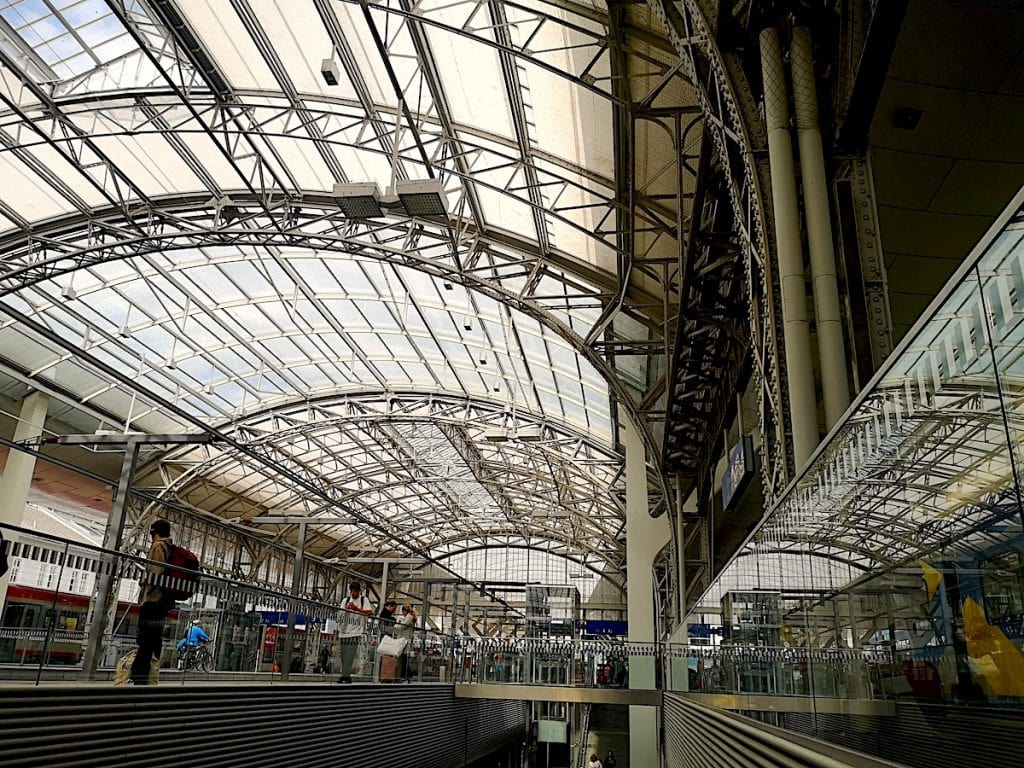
(14, 615)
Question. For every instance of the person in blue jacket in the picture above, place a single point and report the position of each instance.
(192, 638)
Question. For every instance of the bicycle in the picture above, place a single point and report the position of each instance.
(196, 658)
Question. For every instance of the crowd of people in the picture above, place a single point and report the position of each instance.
(352, 629)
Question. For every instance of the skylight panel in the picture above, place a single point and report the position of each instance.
(418, 372)
(475, 95)
(392, 372)
(71, 38)
(379, 315)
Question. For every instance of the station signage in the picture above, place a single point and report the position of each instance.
(738, 472)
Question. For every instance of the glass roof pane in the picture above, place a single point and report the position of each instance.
(240, 320)
(589, 116)
(232, 47)
(298, 23)
(370, 66)
(476, 96)
(72, 39)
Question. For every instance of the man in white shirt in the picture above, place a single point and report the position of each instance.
(352, 627)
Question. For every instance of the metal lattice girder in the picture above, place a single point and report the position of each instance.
(735, 131)
(711, 343)
(233, 551)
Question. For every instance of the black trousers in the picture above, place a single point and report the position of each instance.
(150, 638)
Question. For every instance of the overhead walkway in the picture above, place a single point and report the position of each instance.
(564, 669)
(648, 698)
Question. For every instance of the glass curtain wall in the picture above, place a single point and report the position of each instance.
(895, 565)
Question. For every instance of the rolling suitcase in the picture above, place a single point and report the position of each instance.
(388, 669)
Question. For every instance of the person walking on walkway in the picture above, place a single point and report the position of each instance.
(153, 604)
(356, 609)
(405, 631)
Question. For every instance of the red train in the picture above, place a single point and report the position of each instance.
(40, 625)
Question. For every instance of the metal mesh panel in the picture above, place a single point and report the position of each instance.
(923, 734)
(252, 726)
(697, 736)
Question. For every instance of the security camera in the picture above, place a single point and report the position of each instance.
(329, 69)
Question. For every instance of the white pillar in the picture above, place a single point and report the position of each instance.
(835, 385)
(803, 408)
(645, 537)
(17, 477)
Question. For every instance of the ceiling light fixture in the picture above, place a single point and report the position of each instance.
(417, 198)
(422, 197)
(496, 435)
(529, 434)
(361, 200)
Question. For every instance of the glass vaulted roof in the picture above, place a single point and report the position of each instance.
(173, 256)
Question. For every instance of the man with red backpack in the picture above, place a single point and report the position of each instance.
(154, 603)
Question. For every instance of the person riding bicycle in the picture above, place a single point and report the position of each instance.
(191, 640)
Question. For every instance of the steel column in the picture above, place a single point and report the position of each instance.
(97, 622)
(827, 313)
(17, 477)
(796, 333)
(293, 606)
(645, 536)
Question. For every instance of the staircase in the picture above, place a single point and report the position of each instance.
(609, 729)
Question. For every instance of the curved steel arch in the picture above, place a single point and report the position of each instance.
(284, 114)
(824, 555)
(582, 563)
(33, 269)
(326, 421)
